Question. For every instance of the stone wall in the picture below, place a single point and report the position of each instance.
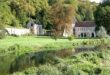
(17, 31)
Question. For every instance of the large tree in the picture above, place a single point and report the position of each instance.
(42, 12)
(21, 9)
(62, 17)
(85, 11)
(102, 15)
(5, 14)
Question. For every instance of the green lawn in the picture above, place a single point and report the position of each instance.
(29, 41)
(39, 41)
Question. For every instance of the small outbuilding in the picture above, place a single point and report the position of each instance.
(35, 29)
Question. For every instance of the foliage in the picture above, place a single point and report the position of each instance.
(64, 61)
(5, 15)
(84, 11)
(2, 34)
(87, 63)
(62, 17)
(102, 16)
(102, 33)
(70, 38)
(19, 14)
(48, 70)
(41, 70)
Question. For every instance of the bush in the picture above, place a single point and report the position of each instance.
(15, 35)
(64, 53)
(102, 33)
(97, 71)
(70, 38)
(29, 71)
(2, 34)
(41, 70)
(48, 70)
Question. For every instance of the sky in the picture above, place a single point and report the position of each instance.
(98, 1)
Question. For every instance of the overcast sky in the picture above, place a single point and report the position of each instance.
(98, 1)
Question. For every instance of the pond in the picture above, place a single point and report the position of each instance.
(11, 63)
(5, 62)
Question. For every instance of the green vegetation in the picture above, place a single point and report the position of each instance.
(37, 41)
(85, 11)
(42, 41)
(102, 33)
(15, 13)
(19, 54)
(102, 18)
(84, 63)
(2, 34)
(42, 55)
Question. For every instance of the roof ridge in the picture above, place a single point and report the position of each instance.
(85, 24)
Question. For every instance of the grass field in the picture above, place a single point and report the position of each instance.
(39, 41)
(29, 41)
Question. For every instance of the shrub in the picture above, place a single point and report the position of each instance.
(84, 43)
(97, 71)
(64, 53)
(101, 47)
(48, 70)
(29, 71)
(2, 34)
(102, 33)
(14, 35)
(70, 38)
(41, 70)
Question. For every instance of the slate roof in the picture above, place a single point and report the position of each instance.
(85, 24)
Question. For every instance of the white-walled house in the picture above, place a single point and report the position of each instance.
(85, 29)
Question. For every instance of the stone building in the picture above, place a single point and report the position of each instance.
(35, 28)
(85, 29)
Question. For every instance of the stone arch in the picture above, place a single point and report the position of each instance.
(85, 35)
(93, 35)
(81, 34)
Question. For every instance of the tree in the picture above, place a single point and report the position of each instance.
(22, 10)
(42, 15)
(19, 12)
(62, 17)
(102, 16)
(85, 11)
(1, 23)
(5, 14)
(102, 32)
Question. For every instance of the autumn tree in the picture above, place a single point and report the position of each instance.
(62, 17)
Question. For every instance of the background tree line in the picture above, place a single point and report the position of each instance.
(53, 13)
(18, 12)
